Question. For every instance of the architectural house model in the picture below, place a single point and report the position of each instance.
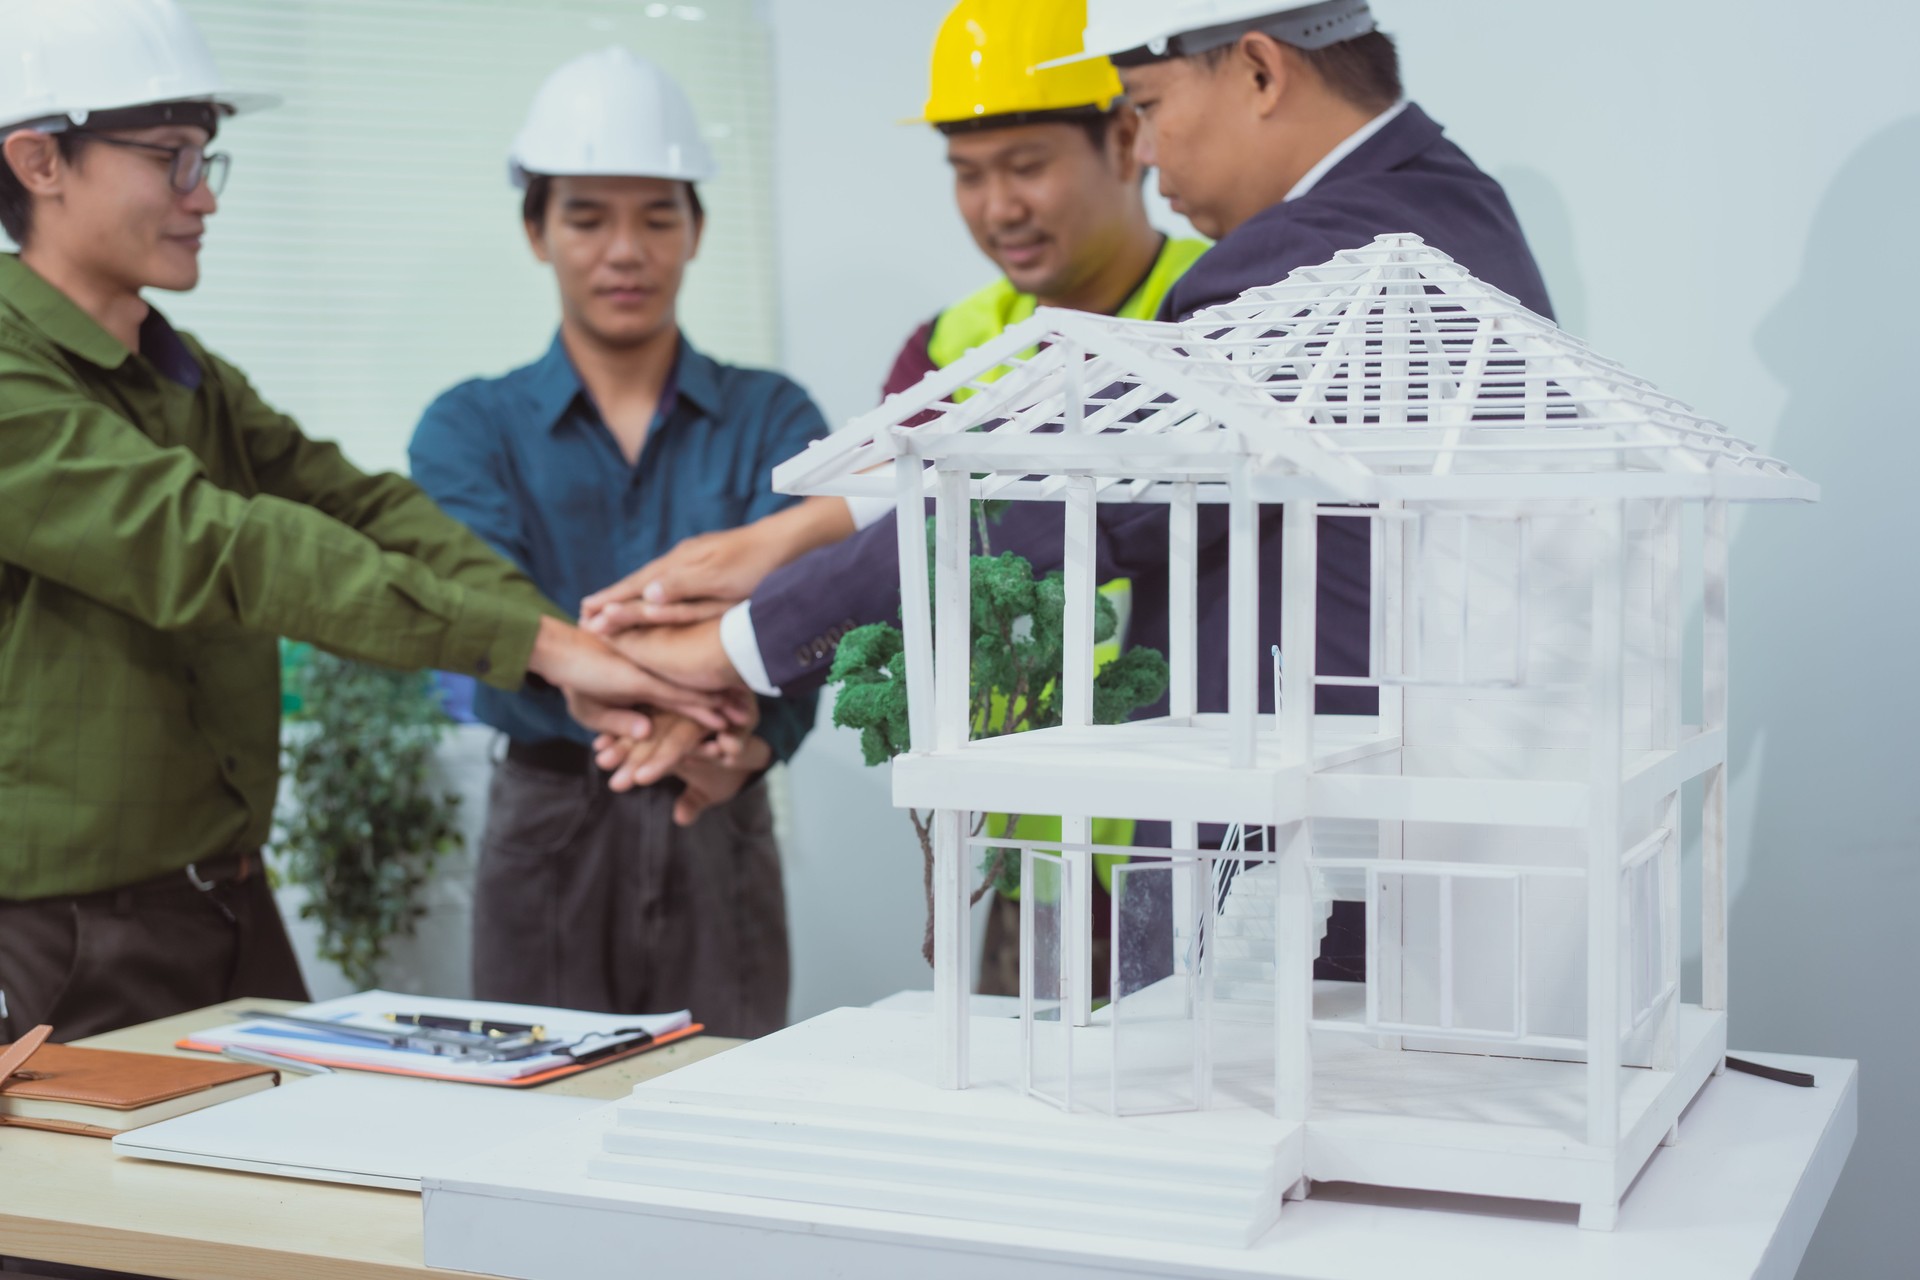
(1546, 531)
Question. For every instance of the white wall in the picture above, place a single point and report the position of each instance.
(1711, 189)
(868, 243)
(1719, 193)
(868, 246)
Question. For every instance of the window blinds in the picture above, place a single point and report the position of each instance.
(368, 251)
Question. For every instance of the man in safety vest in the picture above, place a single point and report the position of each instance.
(1045, 178)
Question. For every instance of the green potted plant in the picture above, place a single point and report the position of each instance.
(367, 821)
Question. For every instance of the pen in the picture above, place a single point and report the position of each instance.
(261, 1058)
(475, 1026)
(460, 1044)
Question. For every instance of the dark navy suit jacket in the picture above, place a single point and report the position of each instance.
(1406, 178)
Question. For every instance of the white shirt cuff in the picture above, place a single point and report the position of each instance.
(738, 638)
(868, 510)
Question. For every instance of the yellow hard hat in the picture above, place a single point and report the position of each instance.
(986, 62)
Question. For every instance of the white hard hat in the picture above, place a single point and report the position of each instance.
(610, 113)
(1159, 28)
(63, 62)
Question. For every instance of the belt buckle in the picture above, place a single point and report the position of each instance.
(206, 887)
(242, 870)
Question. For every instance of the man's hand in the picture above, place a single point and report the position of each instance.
(672, 740)
(641, 762)
(705, 575)
(603, 686)
(701, 578)
(710, 781)
(691, 655)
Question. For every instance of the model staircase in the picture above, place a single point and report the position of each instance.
(1243, 927)
(1243, 937)
(1069, 1173)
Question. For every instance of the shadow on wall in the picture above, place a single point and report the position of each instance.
(1547, 220)
(1826, 615)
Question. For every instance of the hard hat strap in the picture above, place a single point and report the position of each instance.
(1314, 27)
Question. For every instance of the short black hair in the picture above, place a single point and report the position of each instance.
(533, 205)
(1364, 71)
(1098, 126)
(16, 202)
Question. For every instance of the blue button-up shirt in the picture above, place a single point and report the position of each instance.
(526, 461)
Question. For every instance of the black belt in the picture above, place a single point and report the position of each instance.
(227, 868)
(193, 879)
(555, 755)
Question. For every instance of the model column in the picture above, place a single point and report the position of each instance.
(1294, 932)
(1605, 835)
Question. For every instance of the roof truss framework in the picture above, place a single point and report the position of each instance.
(1388, 372)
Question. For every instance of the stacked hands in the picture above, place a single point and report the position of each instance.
(645, 670)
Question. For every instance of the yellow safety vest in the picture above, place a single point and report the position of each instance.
(980, 317)
(987, 313)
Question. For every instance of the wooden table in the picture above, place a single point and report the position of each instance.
(69, 1199)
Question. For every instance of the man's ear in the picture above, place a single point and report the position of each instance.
(537, 240)
(1122, 133)
(34, 158)
(1266, 66)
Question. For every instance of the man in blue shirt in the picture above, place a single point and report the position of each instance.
(661, 890)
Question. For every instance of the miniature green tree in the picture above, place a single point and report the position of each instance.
(1018, 632)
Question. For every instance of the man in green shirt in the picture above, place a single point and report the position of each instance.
(160, 527)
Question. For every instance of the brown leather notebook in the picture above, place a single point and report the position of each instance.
(107, 1091)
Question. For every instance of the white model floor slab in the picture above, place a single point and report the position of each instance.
(838, 1110)
(835, 1075)
(1737, 1199)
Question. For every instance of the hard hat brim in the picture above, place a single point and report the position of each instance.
(1015, 119)
(228, 104)
(239, 104)
(1069, 60)
(518, 174)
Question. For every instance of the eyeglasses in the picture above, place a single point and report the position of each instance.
(187, 166)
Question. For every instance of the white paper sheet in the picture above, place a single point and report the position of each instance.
(373, 1131)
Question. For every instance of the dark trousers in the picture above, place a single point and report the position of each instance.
(588, 899)
(100, 961)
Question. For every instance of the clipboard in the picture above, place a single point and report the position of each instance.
(521, 1082)
(308, 1042)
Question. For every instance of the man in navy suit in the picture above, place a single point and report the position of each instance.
(1286, 136)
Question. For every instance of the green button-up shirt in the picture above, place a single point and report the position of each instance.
(160, 527)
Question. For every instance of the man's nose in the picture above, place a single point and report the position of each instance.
(626, 246)
(1005, 206)
(1143, 150)
(201, 200)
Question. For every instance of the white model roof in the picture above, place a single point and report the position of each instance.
(1388, 372)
